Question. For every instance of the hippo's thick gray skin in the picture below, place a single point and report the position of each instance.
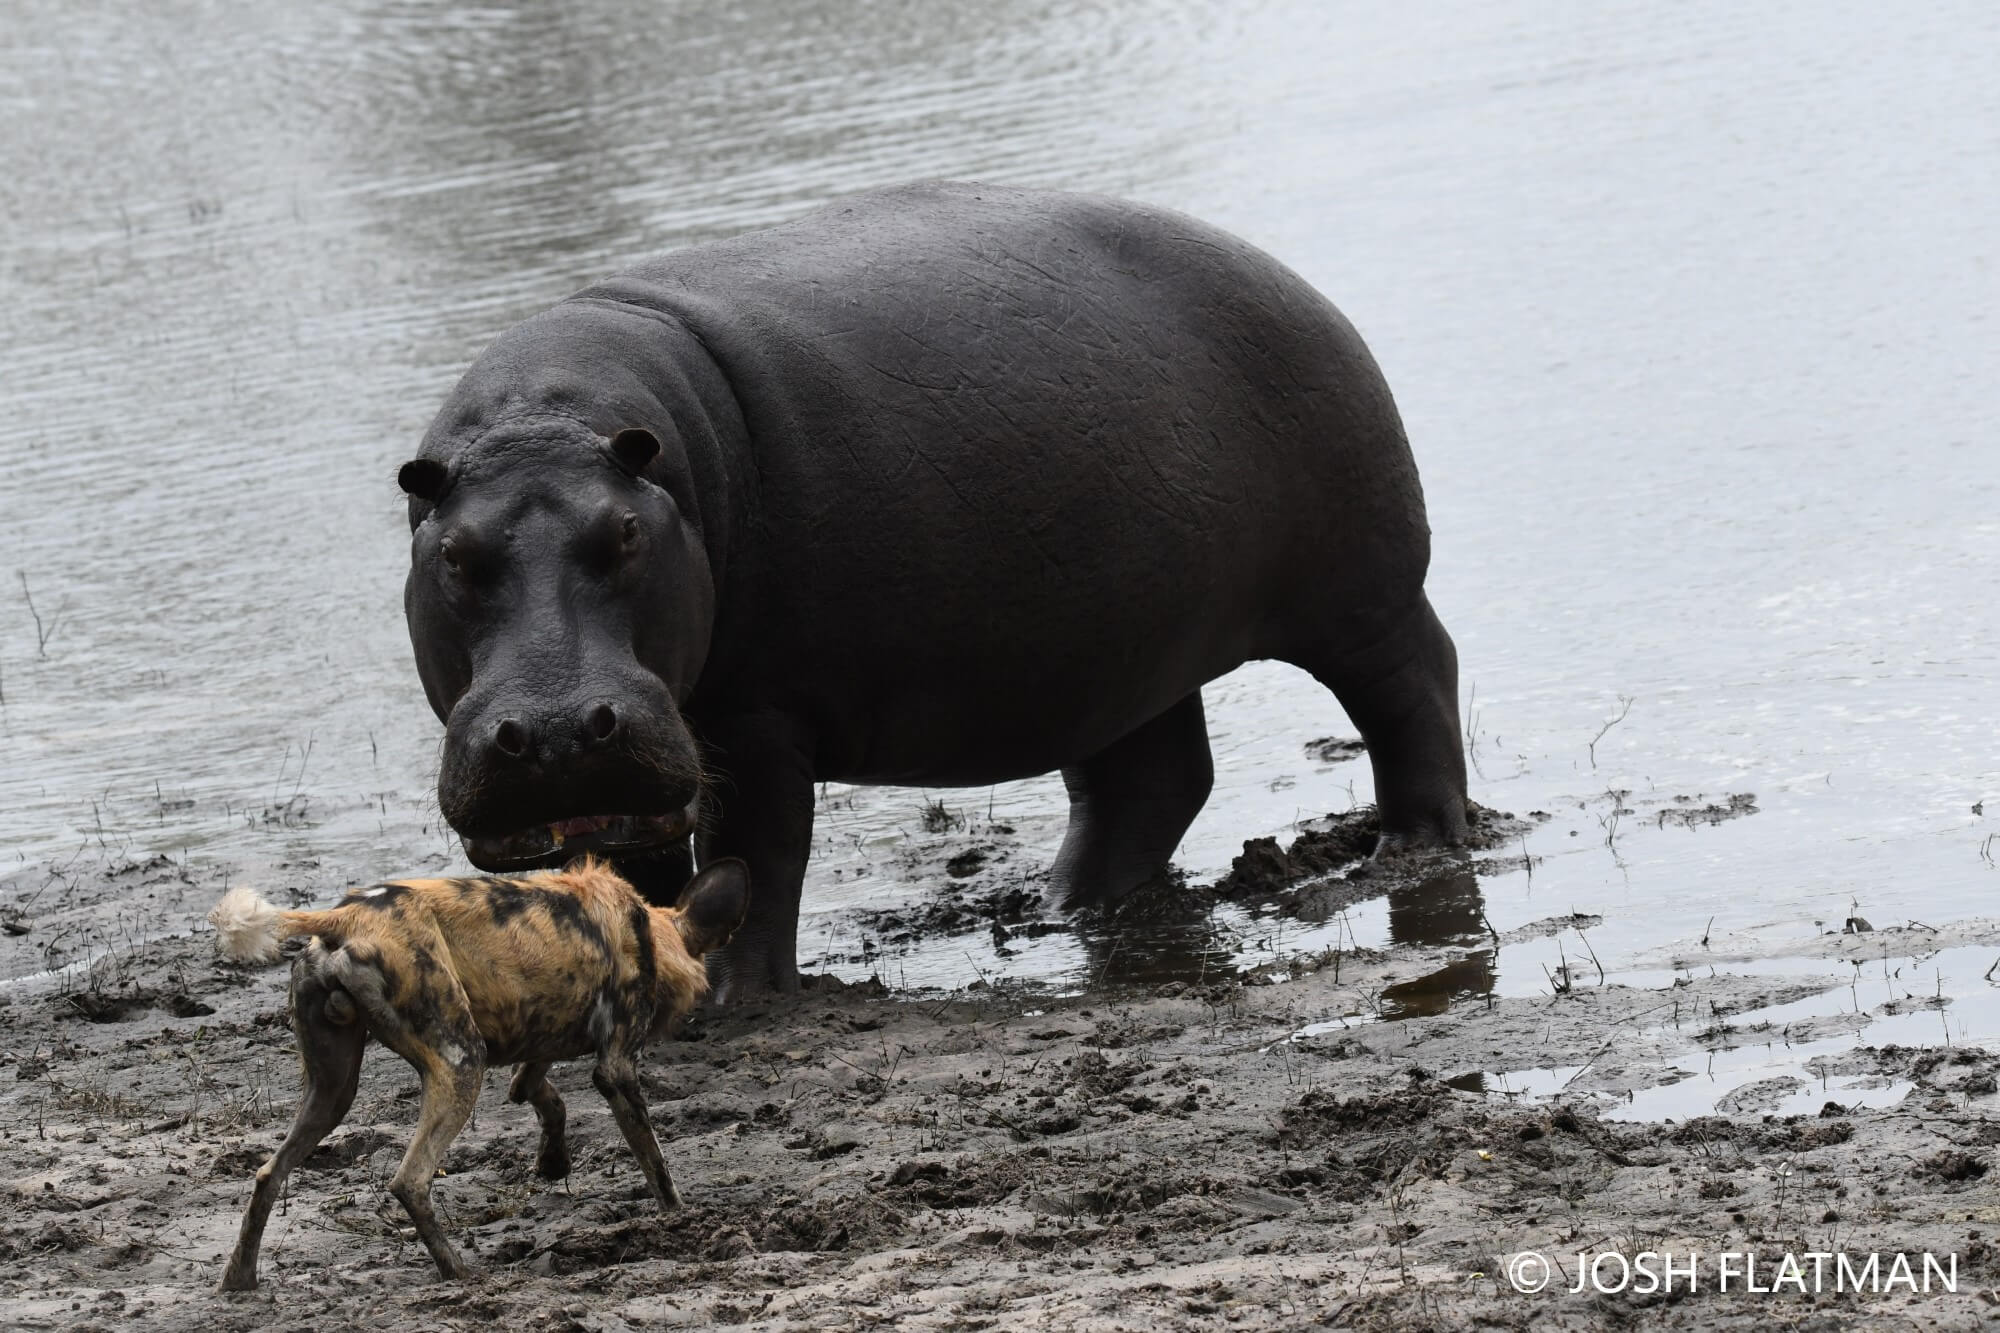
(943, 486)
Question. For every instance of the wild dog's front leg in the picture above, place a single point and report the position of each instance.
(617, 1077)
(531, 1084)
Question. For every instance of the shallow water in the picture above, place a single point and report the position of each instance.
(1688, 310)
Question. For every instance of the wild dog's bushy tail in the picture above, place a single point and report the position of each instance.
(249, 929)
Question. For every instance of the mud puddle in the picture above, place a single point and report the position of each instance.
(1315, 897)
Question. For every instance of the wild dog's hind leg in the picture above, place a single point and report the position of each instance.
(617, 1077)
(1129, 804)
(331, 1037)
(1399, 685)
(531, 1084)
(434, 1030)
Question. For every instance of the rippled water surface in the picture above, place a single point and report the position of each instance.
(1689, 310)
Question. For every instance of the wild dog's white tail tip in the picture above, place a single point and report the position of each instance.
(246, 926)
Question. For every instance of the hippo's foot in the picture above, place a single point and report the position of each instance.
(1129, 804)
(755, 968)
(1443, 830)
(1401, 851)
(1099, 872)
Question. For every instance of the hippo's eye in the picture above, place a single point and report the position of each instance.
(628, 531)
(448, 552)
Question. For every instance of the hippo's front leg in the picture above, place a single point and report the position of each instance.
(660, 875)
(759, 806)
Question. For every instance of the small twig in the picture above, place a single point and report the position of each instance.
(42, 634)
(1593, 953)
(304, 755)
(1586, 1065)
(1472, 730)
(1627, 701)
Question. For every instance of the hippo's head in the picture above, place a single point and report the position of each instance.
(560, 604)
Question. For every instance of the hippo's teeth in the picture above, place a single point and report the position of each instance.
(570, 828)
(548, 844)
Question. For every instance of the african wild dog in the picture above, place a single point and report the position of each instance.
(458, 974)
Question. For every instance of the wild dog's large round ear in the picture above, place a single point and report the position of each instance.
(713, 905)
(422, 479)
(634, 448)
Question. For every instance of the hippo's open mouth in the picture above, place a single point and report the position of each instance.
(556, 842)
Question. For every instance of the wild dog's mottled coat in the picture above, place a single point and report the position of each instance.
(455, 975)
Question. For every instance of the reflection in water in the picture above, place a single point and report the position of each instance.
(1165, 936)
(1157, 935)
(1428, 996)
(1443, 912)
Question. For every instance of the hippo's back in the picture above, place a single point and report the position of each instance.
(1058, 434)
(1024, 321)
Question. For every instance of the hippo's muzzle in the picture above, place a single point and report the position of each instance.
(528, 787)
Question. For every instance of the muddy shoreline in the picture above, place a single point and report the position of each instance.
(1276, 1148)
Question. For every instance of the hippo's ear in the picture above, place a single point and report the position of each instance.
(713, 905)
(422, 479)
(634, 448)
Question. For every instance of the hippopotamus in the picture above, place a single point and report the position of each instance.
(941, 485)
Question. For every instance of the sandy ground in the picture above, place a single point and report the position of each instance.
(1260, 1152)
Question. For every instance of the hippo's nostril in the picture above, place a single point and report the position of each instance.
(603, 721)
(511, 738)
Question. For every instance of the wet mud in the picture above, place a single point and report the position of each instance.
(1295, 879)
(1276, 1147)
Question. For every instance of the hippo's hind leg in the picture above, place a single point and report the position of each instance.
(331, 1036)
(1399, 685)
(1129, 804)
